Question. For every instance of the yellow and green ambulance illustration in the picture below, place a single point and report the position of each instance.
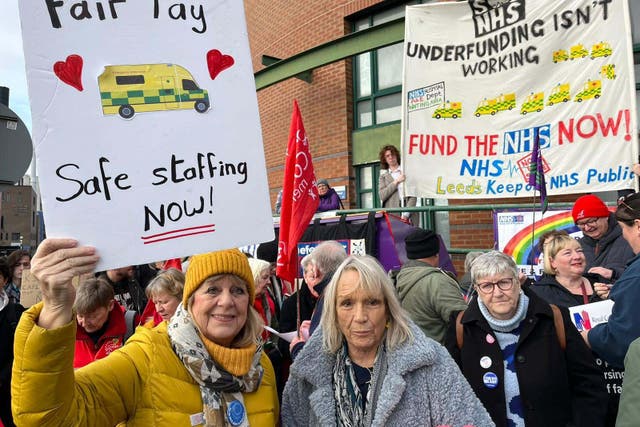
(492, 106)
(591, 90)
(130, 89)
(448, 110)
(560, 93)
(578, 51)
(601, 50)
(560, 56)
(608, 71)
(533, 103)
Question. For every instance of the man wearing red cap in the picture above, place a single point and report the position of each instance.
(604, 248)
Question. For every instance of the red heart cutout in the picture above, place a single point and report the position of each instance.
(217, 62)
(70, 71)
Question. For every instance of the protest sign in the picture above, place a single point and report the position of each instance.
(586, 316)
(482, 79)
(146, 126)
(30, 292)
(518, 235)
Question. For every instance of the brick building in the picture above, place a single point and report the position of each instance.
(350, 108)
(19, 218)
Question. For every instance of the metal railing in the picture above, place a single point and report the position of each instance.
(430, 209)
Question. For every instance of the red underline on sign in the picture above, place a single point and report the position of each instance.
(176, 234)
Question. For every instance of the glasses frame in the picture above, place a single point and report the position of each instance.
(591, 222)
(503, 287)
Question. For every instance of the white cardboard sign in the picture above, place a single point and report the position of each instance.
(146, 126)
(586, 316)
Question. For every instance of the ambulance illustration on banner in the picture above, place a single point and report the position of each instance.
(578, 51)
(608, 71)
(533, 103)
(601, 50)
(560, 93)
(590, 90)
(560, 56)
(447, 110)
(495, 105)
(130, 89)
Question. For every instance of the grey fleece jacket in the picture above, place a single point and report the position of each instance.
(423, 387)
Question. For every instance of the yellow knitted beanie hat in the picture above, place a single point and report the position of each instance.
(203, 266)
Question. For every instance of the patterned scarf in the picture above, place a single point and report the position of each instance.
(221, 391)
(349, 408)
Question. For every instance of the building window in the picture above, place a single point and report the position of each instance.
(15, 237)
(378, 74)
(367, 186)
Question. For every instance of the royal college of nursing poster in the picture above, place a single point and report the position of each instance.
(146, 126)
(484, 78)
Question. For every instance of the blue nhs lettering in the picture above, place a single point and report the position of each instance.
(521, 140)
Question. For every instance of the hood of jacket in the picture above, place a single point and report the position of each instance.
(410, 274)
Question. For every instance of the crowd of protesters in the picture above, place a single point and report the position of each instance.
(156, 345)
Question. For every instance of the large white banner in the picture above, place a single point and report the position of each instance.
(146, 126)
(482, 78)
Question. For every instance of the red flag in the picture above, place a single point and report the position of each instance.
(300, 197)
(173, 263)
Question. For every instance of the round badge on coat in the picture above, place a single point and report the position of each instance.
(490, 380)
(485, 362)
(235, 413)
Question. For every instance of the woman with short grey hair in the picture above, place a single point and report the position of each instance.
(369, 365)
(524, 358)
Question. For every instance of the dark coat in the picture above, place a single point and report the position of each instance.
(553, 292)
(9, 317)
(289, 315)
(558, 388)
(611, 340)
(611, 251)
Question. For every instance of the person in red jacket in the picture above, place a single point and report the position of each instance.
(101, 322)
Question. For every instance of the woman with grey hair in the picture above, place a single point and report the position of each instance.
(165, 292)
(524, 358)
(369, 365)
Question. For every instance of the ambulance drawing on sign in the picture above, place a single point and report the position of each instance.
(560, 56)
(130, 89)
(591, 90)
(448, 110)
(601, 50)
(492, 106)
(608, 71)
(578, 51)
(533, 103)
(560, 93)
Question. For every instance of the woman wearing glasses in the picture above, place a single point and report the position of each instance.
(611, 340)
(524, 369)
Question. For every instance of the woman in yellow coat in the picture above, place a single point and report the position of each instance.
(205, 367)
